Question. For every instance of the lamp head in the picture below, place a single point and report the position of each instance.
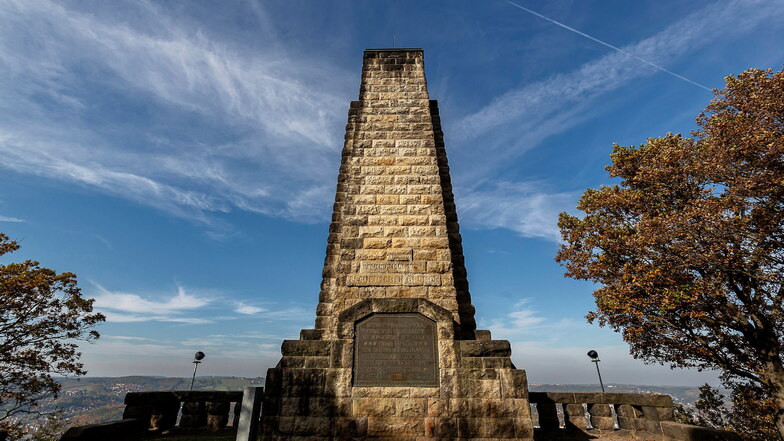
(593, 354)
(199, 356)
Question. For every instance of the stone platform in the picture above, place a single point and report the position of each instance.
(480, 393)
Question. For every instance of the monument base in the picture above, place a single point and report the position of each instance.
(477, 393)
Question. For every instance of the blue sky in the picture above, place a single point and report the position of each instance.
(181, 157)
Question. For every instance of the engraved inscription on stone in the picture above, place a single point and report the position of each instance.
(396, 350)
(393, 279)
(392, 267)
(374, 279)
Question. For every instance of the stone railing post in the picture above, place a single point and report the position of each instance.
(248, 425)
(194, 414)
(141, 413)
(601, 416)
(574, 417)
(217, 415)
(640, 416)
(165, 407)
(548, 415)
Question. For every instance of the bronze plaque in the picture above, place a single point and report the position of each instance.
(396, 350)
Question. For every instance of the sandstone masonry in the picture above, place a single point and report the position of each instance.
(395, 353)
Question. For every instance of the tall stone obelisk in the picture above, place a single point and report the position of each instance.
(395, 353)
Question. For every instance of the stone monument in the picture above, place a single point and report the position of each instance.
(395, 353)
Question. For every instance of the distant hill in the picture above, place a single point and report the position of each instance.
(685, 395)
(91, 400)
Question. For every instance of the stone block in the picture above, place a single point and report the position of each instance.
(374, 407)
(310, 334)
(437, 407)
(395, 426)
(441, 428)
(628, 411)
(313, 348)
(602, 422)
(485, 348)
(316, 362)
(349, 427)
(337, 382)
(514, 383)
(500, 428)
(305, 425)
(504, 363)
(599, 410)
(658, 413)
(217, 422)
(292, 362)
(410, 407)
(471, 427)
(574, 417)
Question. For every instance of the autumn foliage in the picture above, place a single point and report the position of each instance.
(688, 248)
(42, 317)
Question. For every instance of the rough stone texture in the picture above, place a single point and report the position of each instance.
(394, 248)
(574, 417)
(394, 231)
(601, 417)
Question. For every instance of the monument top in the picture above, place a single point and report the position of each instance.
(398, 49)
(394, 231)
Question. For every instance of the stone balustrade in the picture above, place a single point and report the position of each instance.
(210, 409)
(158, 412)
(647, 416)
(561, 415)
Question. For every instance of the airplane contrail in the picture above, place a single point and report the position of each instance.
(603, 43)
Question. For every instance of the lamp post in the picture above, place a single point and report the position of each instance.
(196, 360)
(595, 359)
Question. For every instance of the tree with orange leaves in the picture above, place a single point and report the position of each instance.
(42, 316)
(689, 247)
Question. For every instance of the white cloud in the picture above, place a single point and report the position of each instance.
(10, 219)
(521, 118)
(517, 206)
(128, 308)
(238, 129)
(124, 337)
(553, 350)
(243, 308)
(524, 321)
(134, 303)
(535, 104)
(223, 128)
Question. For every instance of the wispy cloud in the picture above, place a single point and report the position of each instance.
(524, 321)
(521, 207)
(532, 105)
(244, 308)
(156, 110)
(10, 219)
(122, 307)
(521, 118)
(604, 43)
